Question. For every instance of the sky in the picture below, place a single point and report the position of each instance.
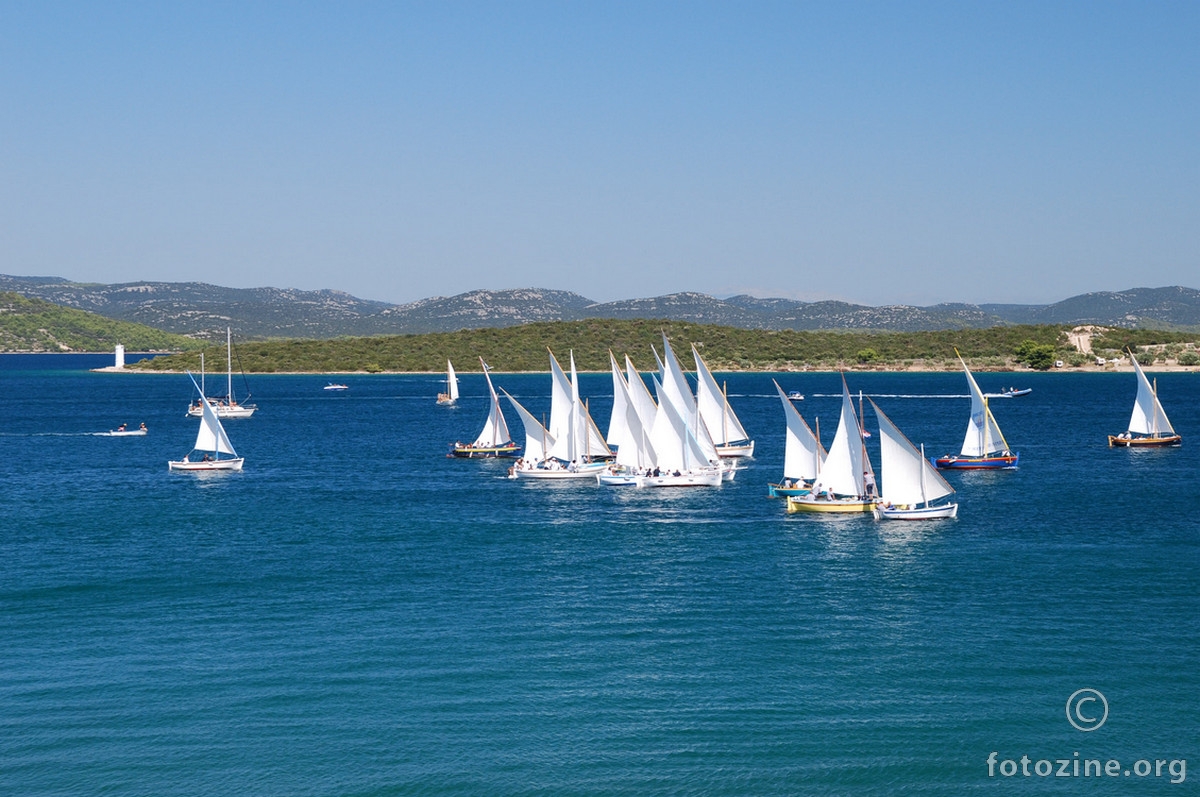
(879, 153)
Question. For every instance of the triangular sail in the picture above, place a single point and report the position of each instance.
(560, 400)
(636, 451)
(1149, 418)
(802, 454)
(983, 434)
(639, 396)
(675, 384)
(618, 423)
(211, 436)
(842, 473)
(907, 476)
(495, 430)
(675, 445)
(537, 439)
(719, 418)
(451, 382)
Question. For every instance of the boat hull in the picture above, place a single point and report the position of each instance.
(707, 478)
(225, 411)
(476, 452)
(119, 433)
(943, 511)
(779, 491)
(736, 450)
(1116, 441)
(587, 471)
(216, 464)
(841, 506)
(999, 462)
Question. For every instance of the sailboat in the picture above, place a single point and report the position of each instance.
(575, 448)
(629, 431)
(802, 453)
(845, 483)
(984, 447)
(226, 406)
(211, 443)
(1148, 426)
(451, 394)
(909, 482)
(719, 419)
(494, 440)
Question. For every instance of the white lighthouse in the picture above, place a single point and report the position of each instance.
(120, 357)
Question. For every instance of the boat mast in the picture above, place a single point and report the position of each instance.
(924, 499)
(229, 365)
(725, 413)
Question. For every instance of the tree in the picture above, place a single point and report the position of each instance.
(1039, 356)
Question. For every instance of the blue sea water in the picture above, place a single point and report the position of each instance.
(356, 614)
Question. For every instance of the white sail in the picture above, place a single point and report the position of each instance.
(636, 451)
(675, 385)
(639, 396)
(675, 444)
(907, 477)
(1149, 418)
(618, 424)
(537, 439)
(842, 473)
(802, 452)
(560, 400)
(576, 438)
(718, 417)
(675, 389)
(452, 381)
(983, 434)
(495, 429)
(211, 436)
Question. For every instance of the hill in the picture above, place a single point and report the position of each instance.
(723, 348)
(203, 311)
(34, 325)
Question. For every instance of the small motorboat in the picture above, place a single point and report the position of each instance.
(795, 395)
(121, 431)
(336, 386)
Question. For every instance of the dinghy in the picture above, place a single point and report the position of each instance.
(211, 444)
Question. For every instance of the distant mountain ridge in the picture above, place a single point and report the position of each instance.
(203, 311)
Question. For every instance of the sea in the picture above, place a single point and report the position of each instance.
(357, 614)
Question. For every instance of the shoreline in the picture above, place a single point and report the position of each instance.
(1082, 369)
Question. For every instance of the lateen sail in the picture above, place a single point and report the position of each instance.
(636, 451)
(211, 436)
(640, 396)
(495, 430)
(719, 418)
(983, 435)
(451, 382)
(802, 452)
(618, 424)
(1149, 418)
(907, 477)
(538, 440)
(843, 472)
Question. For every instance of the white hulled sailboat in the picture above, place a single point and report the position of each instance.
(211, 443)
(908, 481)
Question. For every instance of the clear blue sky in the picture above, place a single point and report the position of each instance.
(896, 152)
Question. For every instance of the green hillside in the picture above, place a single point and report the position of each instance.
(34, 325)
(723, 348)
